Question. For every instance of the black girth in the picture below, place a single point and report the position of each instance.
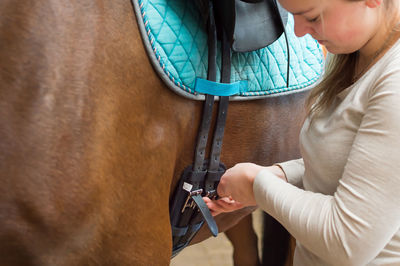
(188, 211)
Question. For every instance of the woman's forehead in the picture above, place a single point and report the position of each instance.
(299, 7)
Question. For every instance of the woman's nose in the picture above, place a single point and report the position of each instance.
(301, 26)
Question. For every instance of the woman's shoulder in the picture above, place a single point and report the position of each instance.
(386, 75)
(390, 62)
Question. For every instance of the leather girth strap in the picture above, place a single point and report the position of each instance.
(188, 210)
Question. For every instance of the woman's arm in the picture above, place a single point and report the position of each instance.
(354, 225)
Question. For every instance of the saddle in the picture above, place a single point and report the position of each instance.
(252, 24)
(239, 26)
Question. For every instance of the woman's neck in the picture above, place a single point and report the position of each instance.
(378, 39)
(377, 46)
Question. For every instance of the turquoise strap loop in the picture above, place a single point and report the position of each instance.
(219, 89)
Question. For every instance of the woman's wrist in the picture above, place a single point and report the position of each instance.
(277, 170)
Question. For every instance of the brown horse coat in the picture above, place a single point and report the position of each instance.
(92, 142)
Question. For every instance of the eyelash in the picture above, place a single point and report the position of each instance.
(313, 20)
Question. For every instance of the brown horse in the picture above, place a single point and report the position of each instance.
(92, 142)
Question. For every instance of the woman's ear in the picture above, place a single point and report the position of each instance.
(373, 3)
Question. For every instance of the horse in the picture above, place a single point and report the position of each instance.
(92, 142)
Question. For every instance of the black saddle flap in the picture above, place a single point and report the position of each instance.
(251, 25)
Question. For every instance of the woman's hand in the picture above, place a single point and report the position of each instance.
(236, 187)
(237, 183)
(225, 204)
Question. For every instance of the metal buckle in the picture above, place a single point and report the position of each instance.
(189, 197)
(212, 194)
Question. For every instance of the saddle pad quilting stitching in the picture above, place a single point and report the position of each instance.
(181, 71)
(174, 62)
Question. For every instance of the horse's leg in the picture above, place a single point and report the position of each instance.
(273, 254)
(244, 241)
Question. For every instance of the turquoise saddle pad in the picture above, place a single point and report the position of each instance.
(176, 41)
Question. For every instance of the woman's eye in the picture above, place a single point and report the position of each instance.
(313, 19)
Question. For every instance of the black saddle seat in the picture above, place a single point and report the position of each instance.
(250, 24)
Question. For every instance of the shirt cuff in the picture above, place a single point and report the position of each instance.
(294, 171)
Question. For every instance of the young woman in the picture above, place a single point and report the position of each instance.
(341, 201)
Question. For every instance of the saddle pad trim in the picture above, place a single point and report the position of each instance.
(219, 89)
(178, 87)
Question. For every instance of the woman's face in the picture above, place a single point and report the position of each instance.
(342, 26)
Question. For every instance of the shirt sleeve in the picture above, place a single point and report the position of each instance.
(354, 225)
(294, 171)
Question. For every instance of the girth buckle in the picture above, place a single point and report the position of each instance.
(190, 196)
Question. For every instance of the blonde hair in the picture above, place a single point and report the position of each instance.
(339, 74)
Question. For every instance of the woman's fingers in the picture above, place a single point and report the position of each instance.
(225, 204)
(214, 209)
(221, 189)
(211, 206)
(238, 183)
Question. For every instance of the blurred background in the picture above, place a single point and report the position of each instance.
(215, 251)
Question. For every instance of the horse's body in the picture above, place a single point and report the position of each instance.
(92, 142)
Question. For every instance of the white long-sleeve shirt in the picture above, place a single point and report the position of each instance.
(342, 202)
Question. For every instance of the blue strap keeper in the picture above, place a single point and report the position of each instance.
(219, 89)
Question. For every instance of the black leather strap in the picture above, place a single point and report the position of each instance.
(205, 212)
(215, 168)
(190, 215)
(203, 133)
(216, 148)
(187, 209)
(202, 178)
(209, 102)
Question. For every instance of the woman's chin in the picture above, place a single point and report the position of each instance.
(337, 50)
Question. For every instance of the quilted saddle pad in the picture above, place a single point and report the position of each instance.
(176, 42)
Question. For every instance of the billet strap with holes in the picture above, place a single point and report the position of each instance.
(188, 210)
